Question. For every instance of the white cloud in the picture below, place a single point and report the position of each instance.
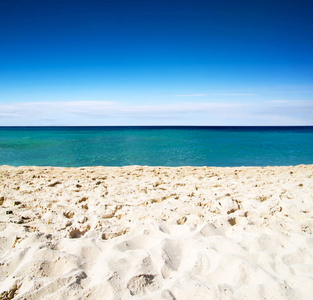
(192, 95)
(289, 92)
(276, 112)
(218, 94)
(291, 103)
(233, 94)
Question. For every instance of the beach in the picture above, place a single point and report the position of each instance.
(140, 232)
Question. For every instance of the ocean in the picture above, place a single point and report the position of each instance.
(156, 146)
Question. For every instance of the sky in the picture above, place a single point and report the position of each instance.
(156, 62)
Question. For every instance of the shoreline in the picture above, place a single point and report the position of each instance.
(156, 167)
(156, 232)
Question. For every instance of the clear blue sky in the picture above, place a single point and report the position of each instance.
(156, 62)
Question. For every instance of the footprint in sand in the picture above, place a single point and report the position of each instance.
(172, 254)
(141, 284)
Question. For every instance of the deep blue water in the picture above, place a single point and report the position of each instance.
(156, 146)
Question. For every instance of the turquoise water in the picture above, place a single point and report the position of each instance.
(156, 146)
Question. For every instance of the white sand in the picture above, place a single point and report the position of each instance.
(156, 233)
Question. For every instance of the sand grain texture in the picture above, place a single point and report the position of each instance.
(156, 233)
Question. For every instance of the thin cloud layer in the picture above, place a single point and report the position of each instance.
(276, 112)
(233, 94)
(192, 95)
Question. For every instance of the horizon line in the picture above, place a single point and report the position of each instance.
(40, 126)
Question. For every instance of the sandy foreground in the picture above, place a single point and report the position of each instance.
(156, 233)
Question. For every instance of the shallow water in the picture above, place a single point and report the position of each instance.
(156, 146)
